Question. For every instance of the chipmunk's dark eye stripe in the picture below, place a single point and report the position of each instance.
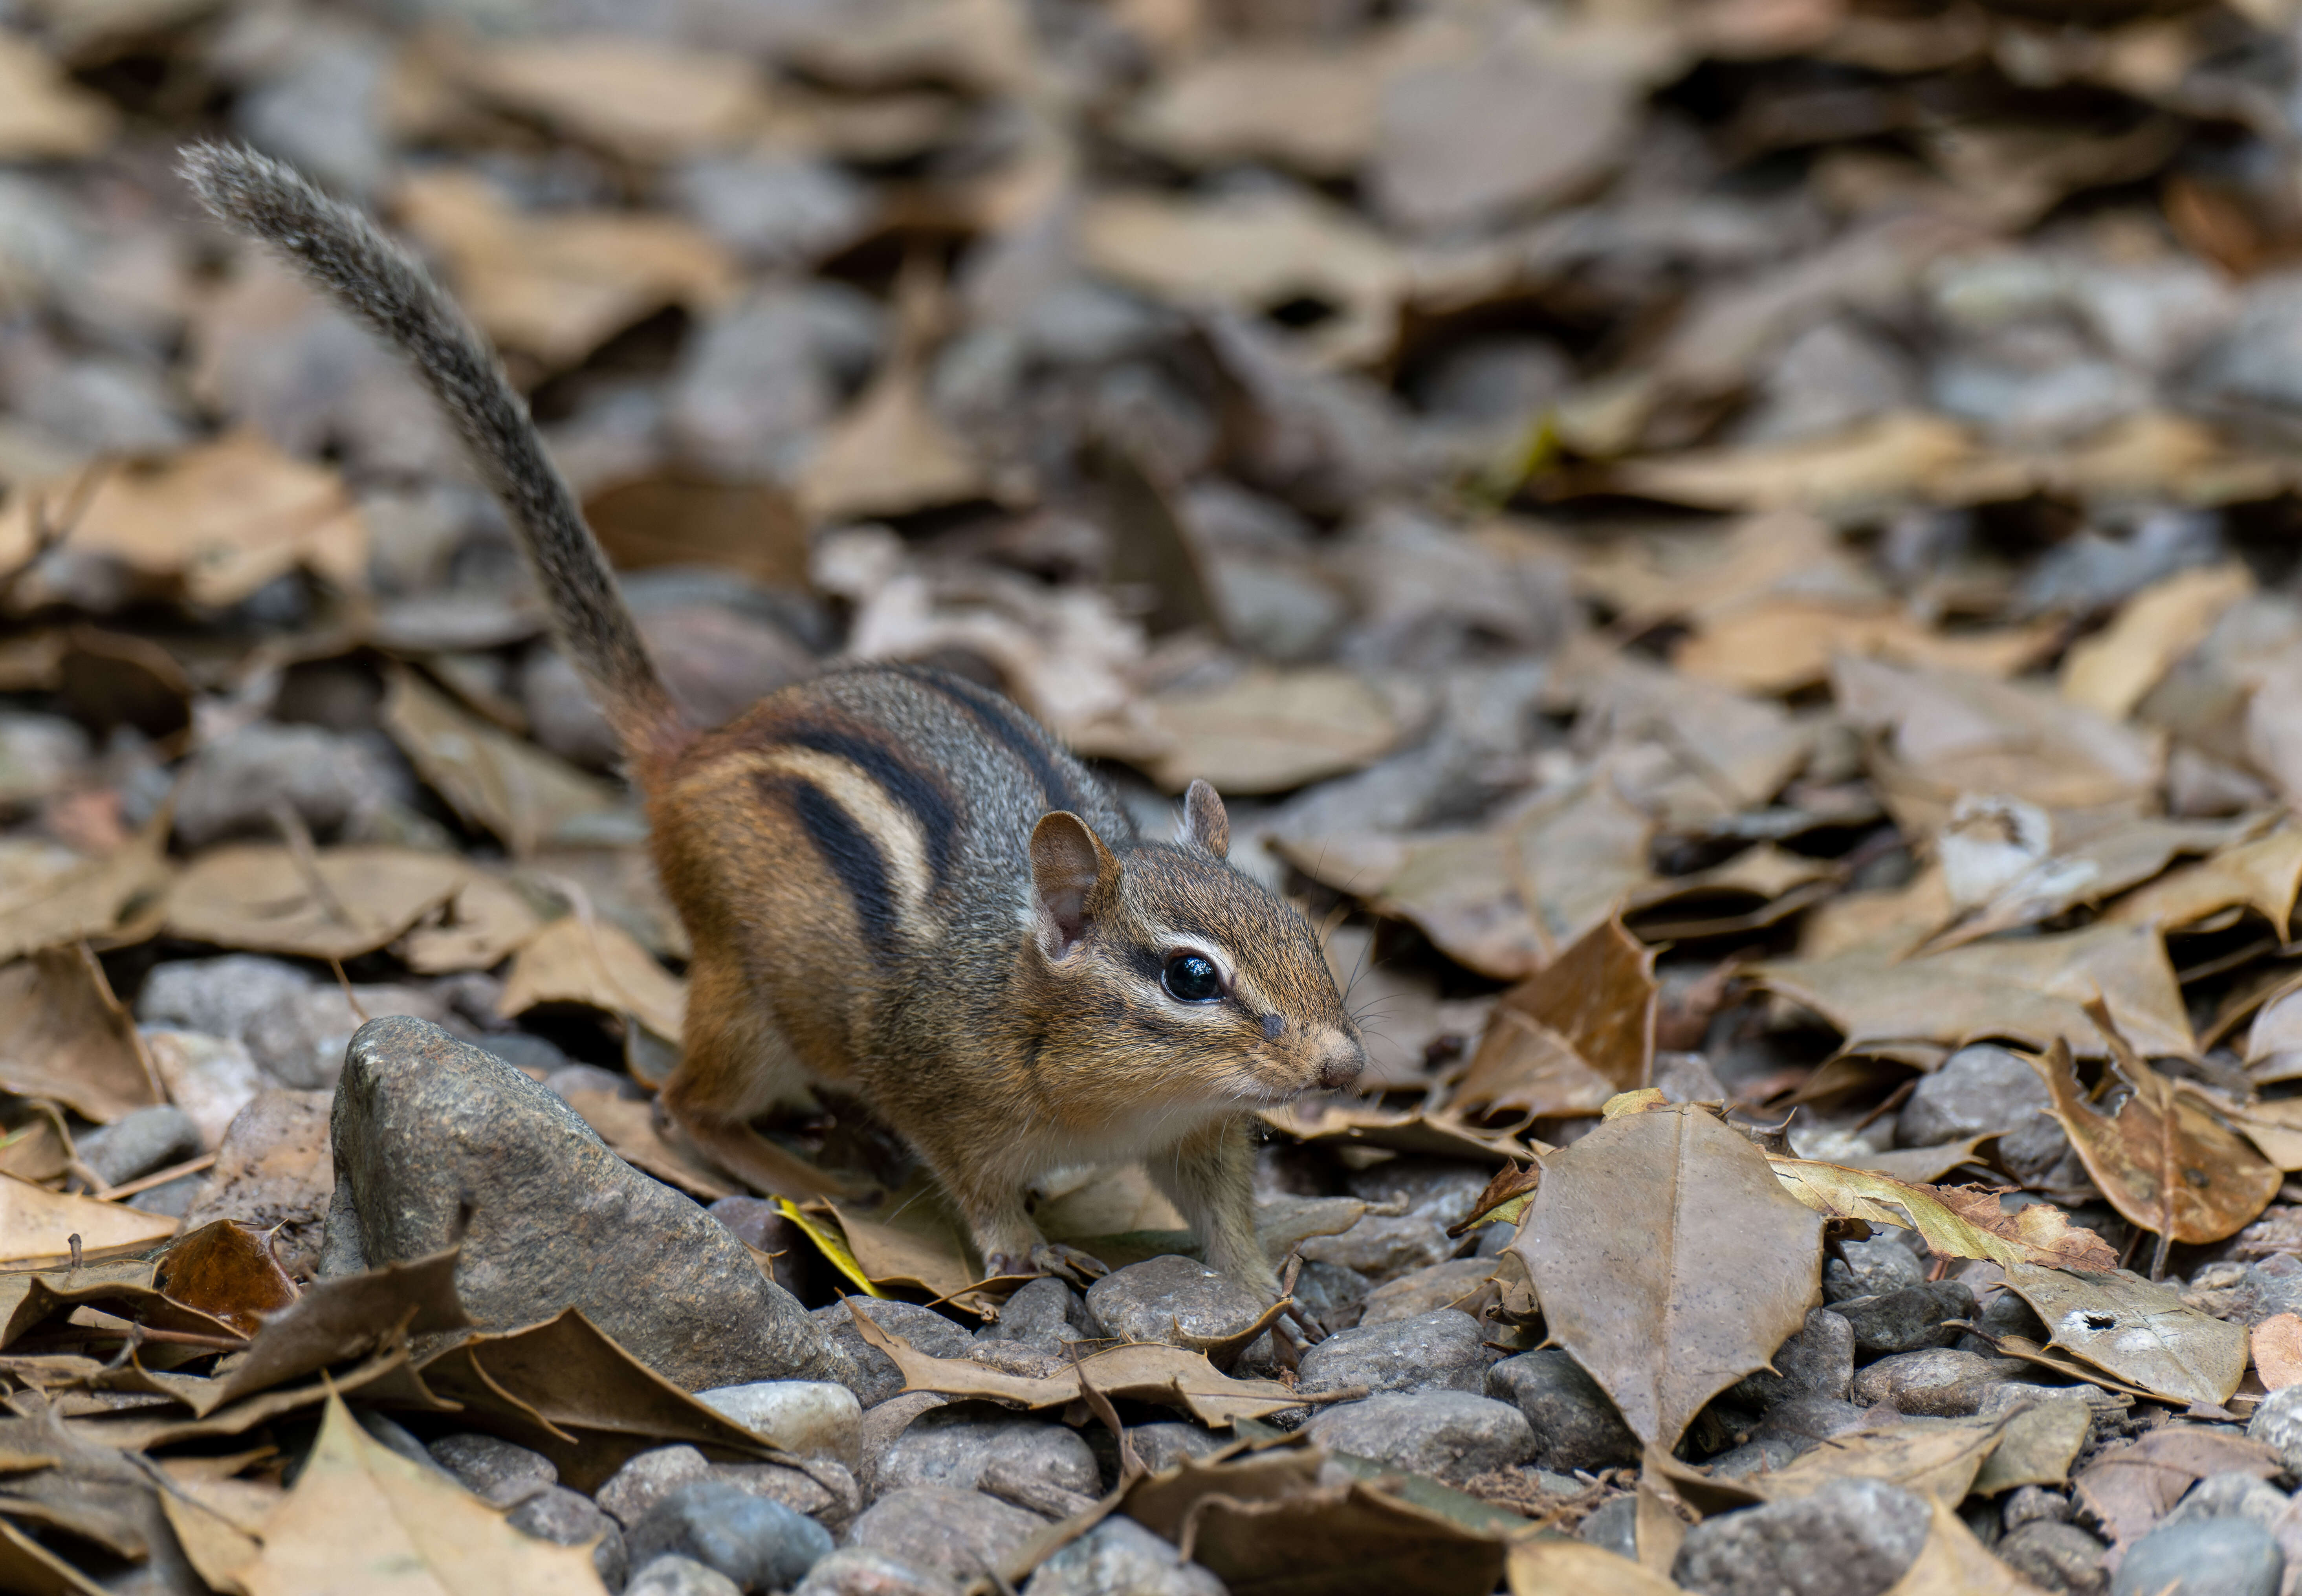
(1192, 978)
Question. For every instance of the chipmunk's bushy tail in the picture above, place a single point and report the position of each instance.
(340, 248)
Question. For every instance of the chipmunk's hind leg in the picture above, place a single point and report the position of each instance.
(735, 1065)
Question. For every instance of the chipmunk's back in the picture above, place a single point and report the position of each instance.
(849, 831)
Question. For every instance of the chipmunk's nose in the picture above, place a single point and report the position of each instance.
(1341, 1060)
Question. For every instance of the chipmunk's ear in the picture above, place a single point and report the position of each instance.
(1069, 864)
(1205, 826)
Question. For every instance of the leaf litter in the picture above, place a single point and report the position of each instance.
(1808, 666)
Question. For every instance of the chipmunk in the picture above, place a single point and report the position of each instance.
(894, 880)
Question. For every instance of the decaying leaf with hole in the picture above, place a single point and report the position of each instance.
(64, 1037)
(1669, 1261)
(1957, 1221)
(2138, 1331)
(2162, 1160)
(1566, 1039)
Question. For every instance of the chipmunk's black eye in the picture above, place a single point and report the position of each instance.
(1193, 978)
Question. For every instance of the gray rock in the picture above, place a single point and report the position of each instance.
(950, 1447)
(1448, 1435)
(1613, 1525)
(294, 1028)
(565, 1517)
(2033, 1504)
(2230, 1495)
(1804, 1420)
(1163, 1445)
(171, 1198)
(1759, 1455)
(876, 1377)
(773, 209)
(2056, 1556)
(427, 1129)
(883, 1424)
(807, 1418)
(1333, 1294)
(2277, 1422)
(501, 1474)
(646, 1478)
(1575, 1423)
(2204, 1557)
(717, 663)
(1818, 1361)
(754, 381)
(1174, 1300)
(1871, 1269)
(1910, 1319)
(210, 1078)
(825, 1492)
(1438, 1351)
(672, 1575)
(1045, 1314)
(1980, 1090)
(759, 1225)
(138, 1143)
(1939, 1382)
(222, 996)
(951, 1535)
(1439, 1286)
(2038, 1155)
(1384, 1247)
(759, 1543)
(1440, 1188)
(274, 1171)
(852, 1572)
(1848, 1538)
(1120, 1557)
(234, 786)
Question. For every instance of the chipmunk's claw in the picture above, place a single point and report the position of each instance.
(1080, 1268)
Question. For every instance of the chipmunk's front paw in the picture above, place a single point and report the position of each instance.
(1069, 1263)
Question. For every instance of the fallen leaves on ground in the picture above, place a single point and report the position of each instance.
(1957, 1221)
(2138, 1331)
(64, 1035)
(1669, 1261)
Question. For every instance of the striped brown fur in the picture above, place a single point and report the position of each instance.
(895, 882)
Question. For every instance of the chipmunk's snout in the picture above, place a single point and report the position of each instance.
(1341, 1061)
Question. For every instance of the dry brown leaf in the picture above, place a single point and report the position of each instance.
(985, 46)
(1255, 250)
(2162, 1160)
(1267, 730)
(26, 1565)
(509, 786)
(1885, 462)
(333, 903)
(2031, 990)
(585, 960)
(1784, 557)
(557, 286)
(83, 902)
(1309, 107)
(1142, 1371)
(477, 928)
(213, 523)
(1957, 1221)
(2112, 671)
(1937, 1460)
(2276, 1348)
(43, 114)
(2138, 1331)
(1567, 1039)
(1956, 733)
(639, 98)
(1502, 901)
(1786, 644)
(2038, 1445)
(2083, 870)
(361, 1519)
(2263, 875)
(64, 1035)
(1953, 1563)
(37, 1225)
(627, 1124)
(889, 456)
(2131, 1486)
(226, 1270)
(1554, 1566)
(1669, 1261)
(1306, 1521)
